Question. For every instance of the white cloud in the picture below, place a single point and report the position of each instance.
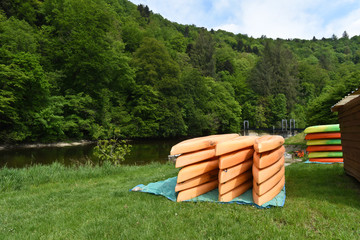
(283, 19)
(185, 11)
(230, 28)
(273, 18)
(349, 23)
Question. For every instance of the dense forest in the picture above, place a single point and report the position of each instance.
(81, 69)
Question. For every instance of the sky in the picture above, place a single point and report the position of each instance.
(285, 19)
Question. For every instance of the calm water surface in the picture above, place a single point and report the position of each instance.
(142, 152)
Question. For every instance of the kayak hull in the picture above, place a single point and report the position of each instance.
(235, 158)
(267, 185)
(235, 144)
(229, 173)
(193, 182)
(328, 135)
(234, 183)
(263, 160)
(326, 160)
(323, 128)
(236, 192)
(268, 143)
(196, 191)
(325, 154)
(194, 157)
(324, 142)
(196, 144)
(261, 175)
(260, 200)
(197, 169)
(324, 148)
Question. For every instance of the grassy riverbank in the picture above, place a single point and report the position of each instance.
(298, 139)
(54, 202)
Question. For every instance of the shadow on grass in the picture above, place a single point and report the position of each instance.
(322, 182)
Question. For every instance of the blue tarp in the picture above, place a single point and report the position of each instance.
(307, 161)
(166, 188)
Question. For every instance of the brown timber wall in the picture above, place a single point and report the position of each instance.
(349, 119)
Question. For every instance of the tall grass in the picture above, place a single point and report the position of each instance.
(298, 139)
(17, 179)
(56, 202)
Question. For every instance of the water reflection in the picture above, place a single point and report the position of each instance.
(142, 152)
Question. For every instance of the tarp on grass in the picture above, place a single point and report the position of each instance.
(166, 188)
(307, 161)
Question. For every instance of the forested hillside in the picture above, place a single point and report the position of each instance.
(79, 69)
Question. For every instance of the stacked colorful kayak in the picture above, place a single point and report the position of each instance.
(324, 143)
(199, 165)
(235, 163)
(268, 169)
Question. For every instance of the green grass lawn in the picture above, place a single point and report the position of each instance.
(54, 202)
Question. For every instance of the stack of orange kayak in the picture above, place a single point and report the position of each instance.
(231, 163)
(268, 169)
(235, 163)
(199, 165)
(324, 143)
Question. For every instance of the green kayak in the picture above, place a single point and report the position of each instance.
(324, 142)
(325, 154)
(323, 128)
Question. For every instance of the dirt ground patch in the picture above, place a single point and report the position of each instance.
(290, 156)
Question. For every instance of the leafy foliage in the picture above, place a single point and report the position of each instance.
(112, 150)
(78, 69)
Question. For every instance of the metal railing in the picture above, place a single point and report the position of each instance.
(285, 130)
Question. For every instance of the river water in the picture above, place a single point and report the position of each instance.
(142, 152)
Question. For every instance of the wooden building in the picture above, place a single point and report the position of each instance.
(349, 119)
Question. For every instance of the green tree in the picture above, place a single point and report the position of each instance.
(24, 92)
(132, 36)
(313, 79)
(319, 109)
(159, 75)
(86, 50)
(28, 10)
(202, 54)
(222, 107)
(193, 102)
(278, 108)
(18, 36)
(276, 72)
(112, 150)
(154, 64)
(225, 60)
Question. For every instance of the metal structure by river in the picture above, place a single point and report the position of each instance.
(142, 152)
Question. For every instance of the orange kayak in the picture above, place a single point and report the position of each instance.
(260, 200)
(235, 144)
(234, 158)
(196, 191)
(268, 143)
(324, 148)
(261, 175)
(229, 173)
(262, 188)
(195, 144)
(236, 192)
(194, 157)
(262, 160)
(235, 182)
(325, 135)
(197, 169)
(196, 181)
(326, 160)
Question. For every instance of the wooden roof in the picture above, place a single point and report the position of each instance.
(353, 95)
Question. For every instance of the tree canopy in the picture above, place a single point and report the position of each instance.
(76, 69)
